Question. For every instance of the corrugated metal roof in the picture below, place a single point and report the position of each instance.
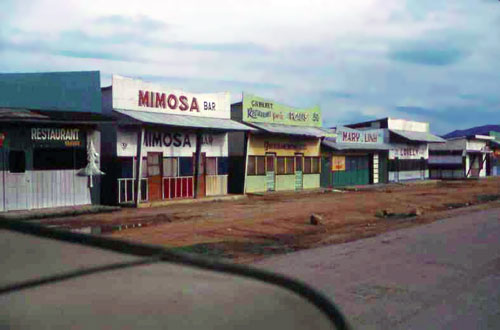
(13, 113)
(184, 121)
(418, 136)
(355, 146)
(292, 130)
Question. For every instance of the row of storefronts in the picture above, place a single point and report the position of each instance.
(64, 141)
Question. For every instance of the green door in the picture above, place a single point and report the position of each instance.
(270, 173)
(357, 172)
(383, 160)
(326, 176)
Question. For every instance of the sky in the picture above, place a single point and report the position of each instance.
(427, 60)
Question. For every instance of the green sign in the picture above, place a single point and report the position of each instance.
(259, 110)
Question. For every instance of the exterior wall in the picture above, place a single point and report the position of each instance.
(255, 183)
(311, 181)
(285, 182)
(43, 188)
(409, 153)
(407, 125)
(281, 146)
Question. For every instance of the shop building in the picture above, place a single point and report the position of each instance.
(493, 158)
(409, 153)
(281, 154)
(354, 157)
(48, 134)
(460, 157)
(180, 137)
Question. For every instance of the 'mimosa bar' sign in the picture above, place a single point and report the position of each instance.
(259, 110)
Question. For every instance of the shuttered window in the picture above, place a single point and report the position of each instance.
(170, 167)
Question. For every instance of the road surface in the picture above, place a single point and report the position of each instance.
(444, 275)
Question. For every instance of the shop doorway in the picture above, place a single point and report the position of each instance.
(270, 172)
(202, 185)
(299, 178)
(326, 172)
(154, 164)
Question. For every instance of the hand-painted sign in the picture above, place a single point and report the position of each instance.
(56, 137)
(171, 144)
(259, 110)
(338, 163)
(269, 145)
(133, 94)
(409, 152)
(283, 146)
(347, 135)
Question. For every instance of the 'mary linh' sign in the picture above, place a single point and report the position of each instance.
(161, 100)
(359, 137)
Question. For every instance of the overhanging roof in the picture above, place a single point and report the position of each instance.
(292, 130)
(356, 146)
(167, 119)
(418, 136)
(21, 115)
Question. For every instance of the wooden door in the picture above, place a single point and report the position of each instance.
(299, 180)
(202, 186)
(154, 164)
(270, 172)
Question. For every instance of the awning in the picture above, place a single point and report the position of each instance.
(167, 119)
(21, 115)
(356, 146)
(292, 130)
(418, 136)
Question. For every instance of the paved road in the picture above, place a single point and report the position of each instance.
(445, 275)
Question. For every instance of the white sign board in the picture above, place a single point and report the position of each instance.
(171, 143)
(407, 151)
(347, 135)
(134, 94)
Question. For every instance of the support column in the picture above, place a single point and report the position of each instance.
(197, 163)
(246, 148)
(138, 167)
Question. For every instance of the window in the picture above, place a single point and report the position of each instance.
(170, 167)
(211, 163)
(315, 165)
(290, 168)
(153, 164)
(280, 161)
(59, 159)
(186, 166)
(261, 165)
(307, 165)
(222, 165)
(311, 165)
(256, 165)
(17, 161)
(251, 165)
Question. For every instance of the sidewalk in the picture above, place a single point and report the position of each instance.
(57, 212)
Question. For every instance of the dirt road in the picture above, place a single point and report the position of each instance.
(259, 226)
(443, 275)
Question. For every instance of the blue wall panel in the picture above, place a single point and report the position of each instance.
(57, 91)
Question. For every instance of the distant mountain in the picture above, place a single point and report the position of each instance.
(479, 130)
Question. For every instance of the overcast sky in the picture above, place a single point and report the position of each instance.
(430, 60)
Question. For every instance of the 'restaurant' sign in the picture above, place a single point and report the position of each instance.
(133, 94)
(259, 110)
(57, 137)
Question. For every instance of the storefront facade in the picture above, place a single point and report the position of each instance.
(47, 123)
(283, 154)
(172, 132)
(458, 158)
(354, 157)
(409, 147)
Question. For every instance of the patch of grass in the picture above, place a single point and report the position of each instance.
(488, 198)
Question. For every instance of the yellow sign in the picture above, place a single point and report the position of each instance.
(338, 163)
(284, 146)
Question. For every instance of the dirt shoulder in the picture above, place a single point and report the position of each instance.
(253, 228)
